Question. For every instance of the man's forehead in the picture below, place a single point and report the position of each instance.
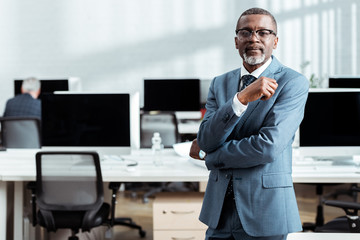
(260, 20)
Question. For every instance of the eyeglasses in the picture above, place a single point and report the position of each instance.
(261, 34)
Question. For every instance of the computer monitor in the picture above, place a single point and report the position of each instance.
(47, 86)
(171, 95)
(331, 124)
(344, 82)
(87, 121)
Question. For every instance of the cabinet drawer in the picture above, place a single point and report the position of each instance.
(178, 211)
(179, 235)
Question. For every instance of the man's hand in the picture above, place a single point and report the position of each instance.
(262, 87)
(195, 150)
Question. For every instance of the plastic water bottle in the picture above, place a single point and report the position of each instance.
(156, 148)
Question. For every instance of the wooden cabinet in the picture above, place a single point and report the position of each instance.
(176, 216)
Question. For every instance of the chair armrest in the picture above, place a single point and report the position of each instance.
(351, 208)
(355, 188)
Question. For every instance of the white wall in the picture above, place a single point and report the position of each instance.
(112, 45)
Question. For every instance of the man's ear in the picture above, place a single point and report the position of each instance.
(275, 42)
(236, 42)
(38, 93)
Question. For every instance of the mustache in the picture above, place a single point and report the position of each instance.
(254, 48)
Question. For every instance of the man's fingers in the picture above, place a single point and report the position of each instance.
(268, 87)
(263, 88)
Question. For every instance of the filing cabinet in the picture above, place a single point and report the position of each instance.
(176, 216)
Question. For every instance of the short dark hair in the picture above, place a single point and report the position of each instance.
(259, 11)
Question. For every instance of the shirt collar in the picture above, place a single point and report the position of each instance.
(258, 71)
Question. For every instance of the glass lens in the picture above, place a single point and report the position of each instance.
(263, 34)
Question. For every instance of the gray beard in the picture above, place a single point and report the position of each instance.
(254, 60)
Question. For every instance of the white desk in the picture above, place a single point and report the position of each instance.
(19, 166)
(324, 172)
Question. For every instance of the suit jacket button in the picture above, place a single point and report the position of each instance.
(226, 117)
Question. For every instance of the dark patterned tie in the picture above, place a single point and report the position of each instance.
(247, 80)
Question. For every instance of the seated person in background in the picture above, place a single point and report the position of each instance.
(26, 103)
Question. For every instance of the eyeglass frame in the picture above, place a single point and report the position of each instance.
(254, 31)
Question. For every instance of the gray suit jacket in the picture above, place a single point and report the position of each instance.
(23, 105)
(256, 149)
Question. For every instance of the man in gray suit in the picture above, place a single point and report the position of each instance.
(27, 103)
(252, 114)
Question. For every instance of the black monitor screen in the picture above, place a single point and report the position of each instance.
(344, 82)
(47, 86)
(331, 119)
(86, 120)
(172, 95)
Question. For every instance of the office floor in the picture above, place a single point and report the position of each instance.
(142, 213)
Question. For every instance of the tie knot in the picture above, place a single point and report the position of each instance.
(247, 80)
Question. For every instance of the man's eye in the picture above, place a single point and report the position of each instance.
(245, 33)
(263, 33)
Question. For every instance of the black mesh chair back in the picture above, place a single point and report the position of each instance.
(20, 132)
(69, 191)
(164, 123)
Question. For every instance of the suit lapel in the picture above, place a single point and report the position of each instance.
(273, 68)
(270, 73)
(233, 85)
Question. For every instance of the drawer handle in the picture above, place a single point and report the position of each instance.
(182, 212)
(176, 238)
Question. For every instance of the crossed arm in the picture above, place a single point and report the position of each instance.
(263, 88)
(276, 133)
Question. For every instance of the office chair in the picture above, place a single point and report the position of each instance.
(68, 193)
(20, 132)
(344, 224)
(164, 123)
(319, 218)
